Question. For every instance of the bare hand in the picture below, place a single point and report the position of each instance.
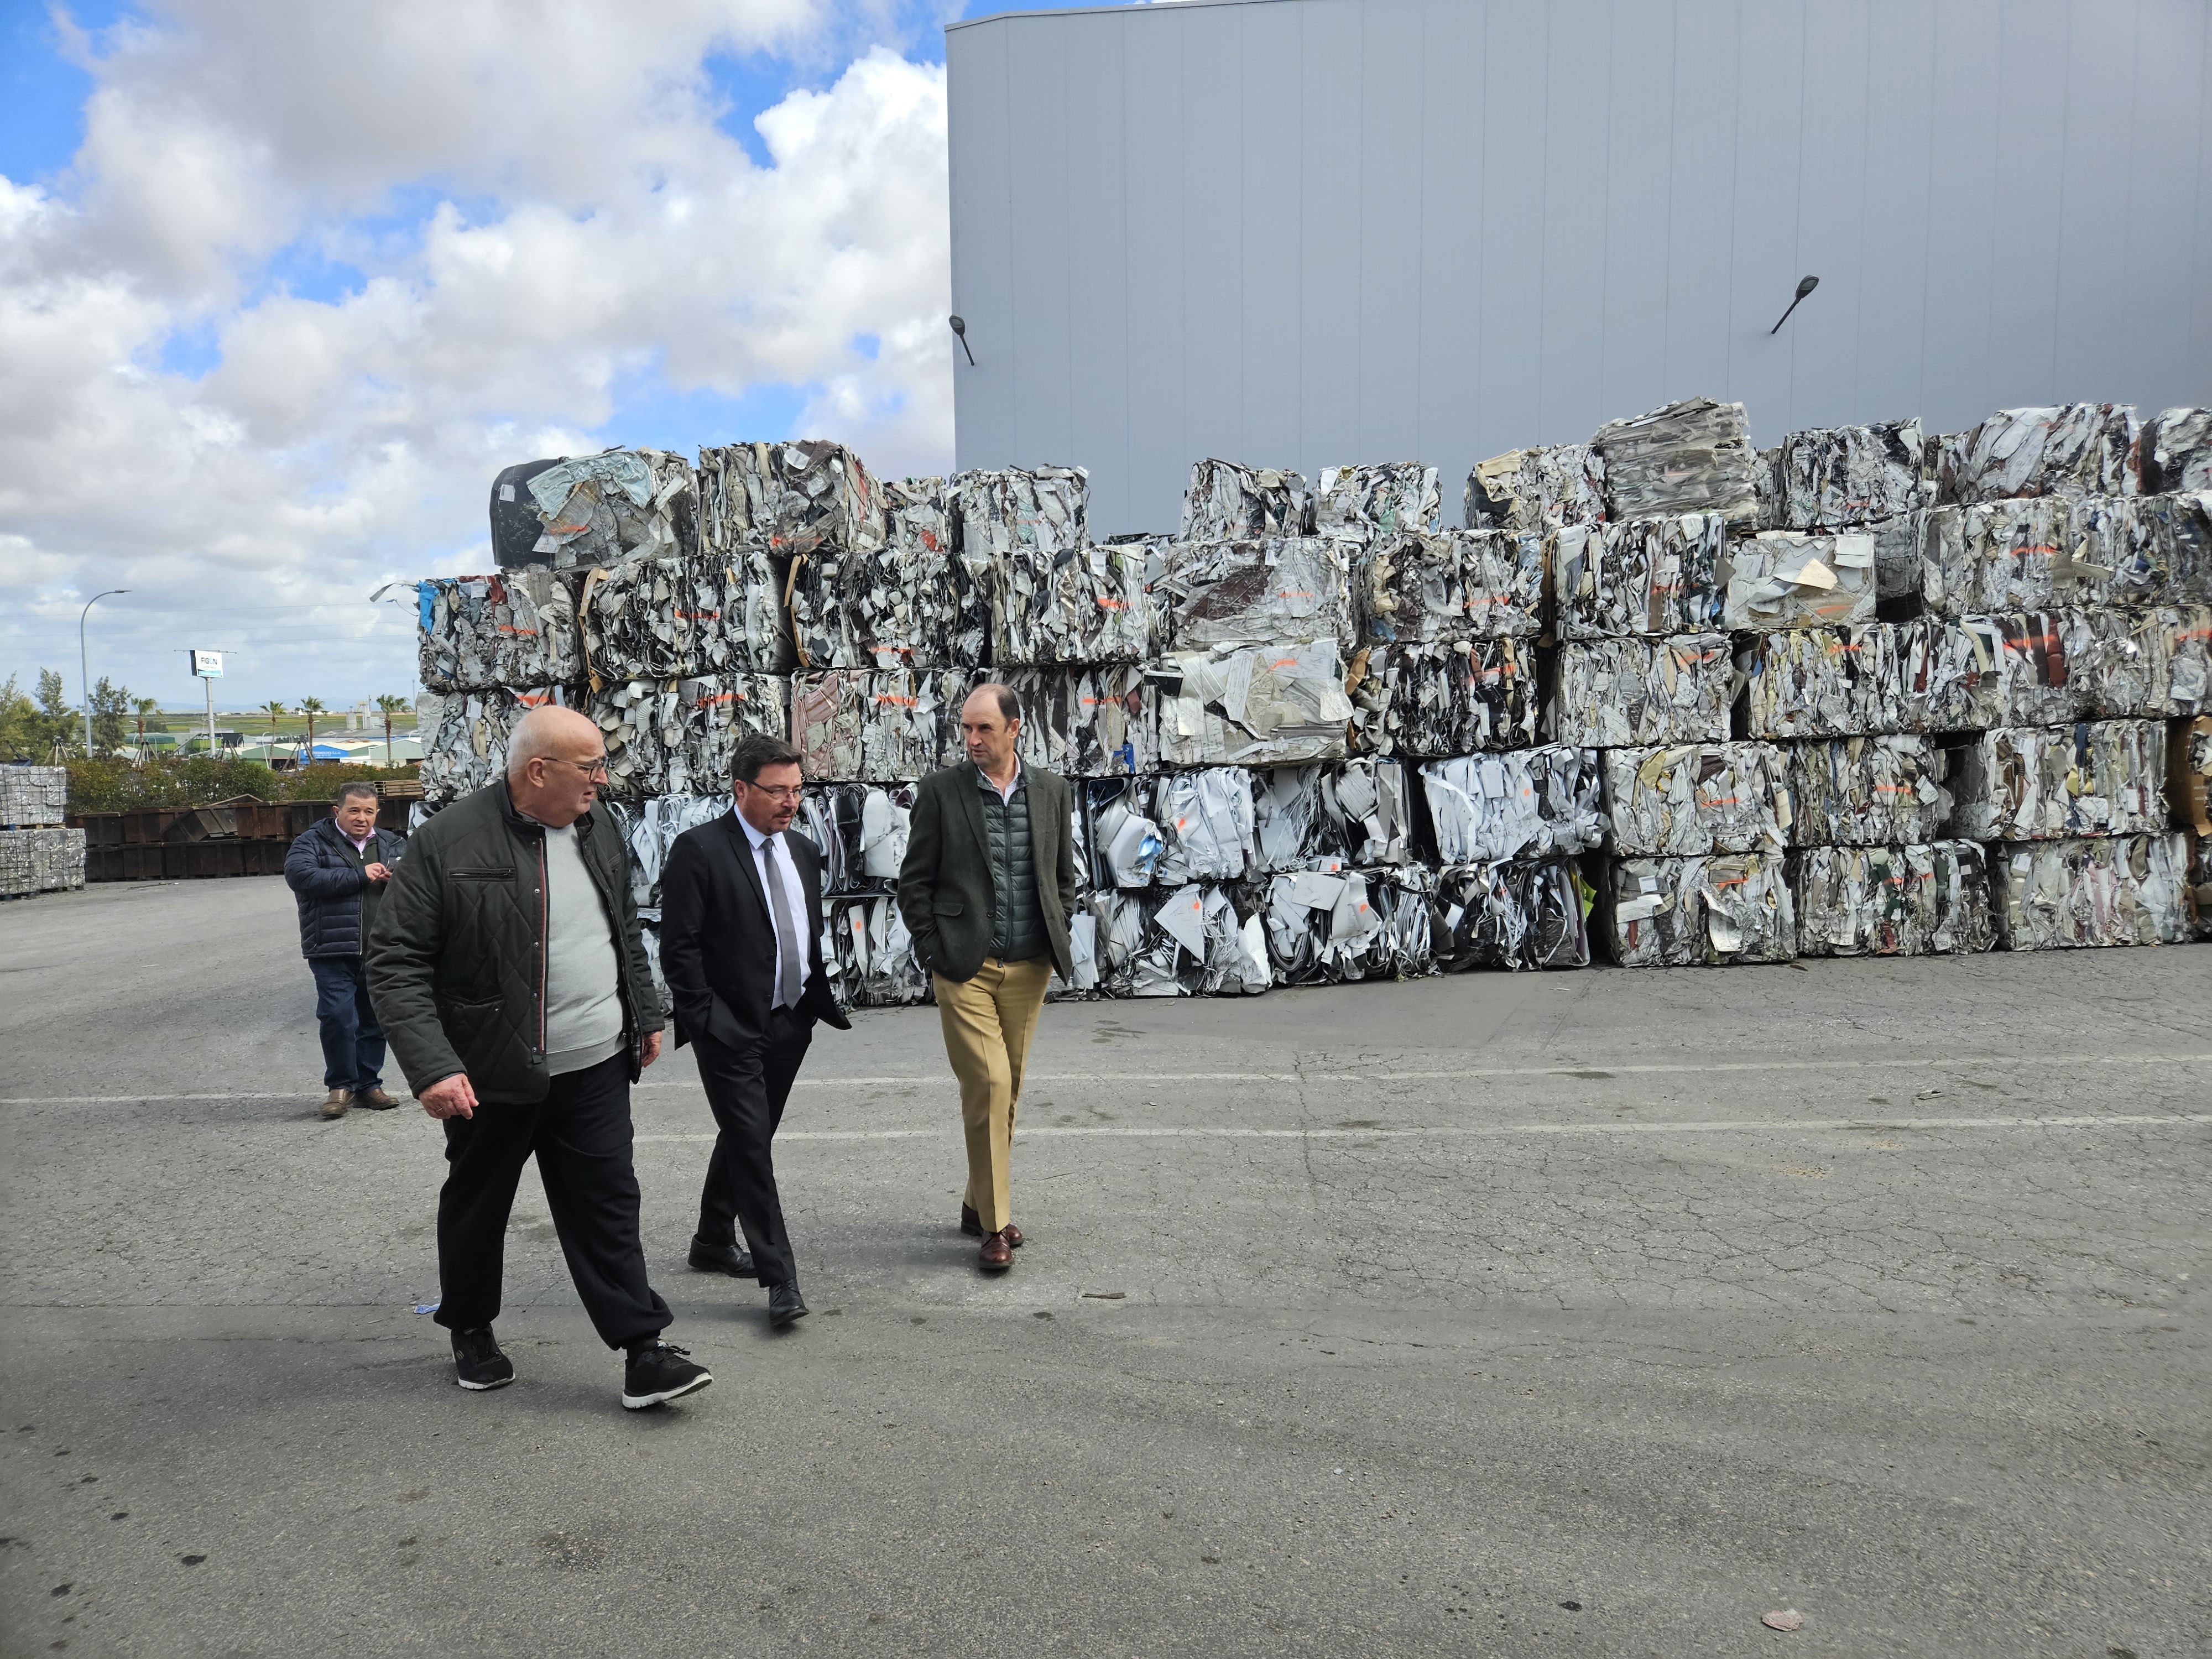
(450, 1096)
(377, 872)
(649, 1049)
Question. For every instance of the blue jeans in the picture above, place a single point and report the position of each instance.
(352, 1042)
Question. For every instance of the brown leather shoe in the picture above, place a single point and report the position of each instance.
(996, 1256)
(335, 1105)
(1012, 1234)
(375, 1099)
(972, 1224)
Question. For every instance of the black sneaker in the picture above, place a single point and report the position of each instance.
(659, 1372)
(477, 1359)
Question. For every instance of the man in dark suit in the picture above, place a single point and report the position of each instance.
(741, 949)
(987, 888)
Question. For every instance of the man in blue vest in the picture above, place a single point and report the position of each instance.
(339, 871)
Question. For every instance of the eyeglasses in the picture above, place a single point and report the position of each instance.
(792, 793)
(594, 769)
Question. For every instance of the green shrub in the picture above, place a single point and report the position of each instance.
(115, 785)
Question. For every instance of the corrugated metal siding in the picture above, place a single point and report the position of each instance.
(1315, 232)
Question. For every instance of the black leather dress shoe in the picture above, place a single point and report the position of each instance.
(785, 1305)
(721, 1259)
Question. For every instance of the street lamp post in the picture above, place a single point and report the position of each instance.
(83, 669)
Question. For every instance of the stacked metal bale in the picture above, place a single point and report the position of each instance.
(37, 854)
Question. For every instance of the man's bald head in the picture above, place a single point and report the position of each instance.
(556, 761)
(550, 729)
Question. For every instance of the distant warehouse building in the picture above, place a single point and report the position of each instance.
(1305, 233)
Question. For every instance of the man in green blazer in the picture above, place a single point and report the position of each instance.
(986, 890)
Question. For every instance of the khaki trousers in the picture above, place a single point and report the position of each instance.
(988, 1021)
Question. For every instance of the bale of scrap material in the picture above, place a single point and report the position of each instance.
(1866, 792)
(2046, 783)
(465, 742)
(1797, 578)
(666, 618)
(33, 796)
(873, 964)
(2156, 662)
(1512, 913)
(1917, 900)
(44, 860)
(1124, 841)
(1101, 722)
(1044, 509)
(1205, 826)
(786, 498)
(2071, 449)
(1694, 456)
(517, 627)
(1228, 502)
(2007, 556)
(1841, 477)
(2119, 890)
(1618, 693)
(1458, 585)
(649, 828)
(678, 736)
(862, 725)
(1076, 606)
(905, 599)
(1265, 705)
(1671, 913)
(1330, 924)
(624, 504)
(1684, 798)
(1237, 593)
(1187, 941)
(1287, 828)
(2177, 527)
(1835, 682)
(1650, 576)
(2176, 451)
(1536, 489)
(1367, 811)
(1527, 803)
(1451, 698)
(1363, 503)
(861, 830)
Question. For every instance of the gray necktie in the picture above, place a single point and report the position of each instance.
(787, 935)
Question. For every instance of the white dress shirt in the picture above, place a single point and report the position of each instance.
(795, 895)
(1005, 791)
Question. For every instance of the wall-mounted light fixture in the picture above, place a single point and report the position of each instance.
(1805, 286)
(960, 327)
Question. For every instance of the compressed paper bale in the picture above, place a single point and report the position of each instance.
(871, 955)
(2046, 783)
(1840, 478)
(1459, 585)
(1363, 503)
(1330, 924)
(1367, 811)
(1536, 489)
(1697, 798)
(1512, 913)
(786, 498)
(908, 599)
(1205, 825)
(1844, 682)
(2002, 555)
(1101, 722)
(2069, 449)
(861, 830)
(678, 736)
(1528, 803)
(1267, 705)
(465, 741)
(1078, 606)
(861, 725)
(2177, 531)
(1899, 551)
(1619, 693)
(517, 627)
(1043, 509)
(1646, 576)
(1866, 792)
(1445, 699)
(669, 619)
(2176, 451)
(1228, 502)
(1727, 907)
(1796, 579)
(624, 504)
(1192, 940)
(1694, 456)
(2117, 889)
(33, 796)
(1240, 592)
(1917, 900)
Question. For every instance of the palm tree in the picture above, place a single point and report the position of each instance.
(390, 705)
(311, 707)
(145, 706)
(274, 710)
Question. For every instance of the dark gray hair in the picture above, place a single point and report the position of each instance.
(1009, 703)
(756, 751)
(346, 791)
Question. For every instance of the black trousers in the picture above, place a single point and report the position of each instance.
(747, 1088)
(581, 1134)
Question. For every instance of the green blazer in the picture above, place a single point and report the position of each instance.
(945, 892)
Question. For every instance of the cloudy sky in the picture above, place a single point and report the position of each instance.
(283, 286)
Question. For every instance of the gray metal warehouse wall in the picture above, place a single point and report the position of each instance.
(1315, 232)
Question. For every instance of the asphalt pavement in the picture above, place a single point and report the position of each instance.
(1596, 1313)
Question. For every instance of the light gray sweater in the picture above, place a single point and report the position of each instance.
(583, 1003)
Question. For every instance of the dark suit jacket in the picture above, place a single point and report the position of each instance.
(718, 941)
(945, 892)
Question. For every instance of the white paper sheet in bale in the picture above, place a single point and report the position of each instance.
(1045, 509)
(1845, 477)
(1621, 693)
(1916, 900)
(1267, 705)
(861, 830)
(650, 829)
(2176, 451)
(516, 627)
(2046, 783)
(678, 737)
(1512, 913)
(665, 618)
(786, 498)
(1866, 792)
(33, 797)
(1702, 912)
(1099, 722)
(1536, 490)
(1330, 924)
(872, 961)
(1073, 607)
(1460, 584)
(1363, 503)
(1224, 592)
(2107, 890)
(1653, 576)
(1454, 698)
(465, 741)
(1287, 831)
(2069, 449)
(1685, 798)
(1227, 503)
(624, 504)
(1694, 456)
(863, 726)
(1797, 578)
(1367, 811)
(1124, 840)
(1527, 803)
(1181, 942)
(45, 861)
(1205, 826)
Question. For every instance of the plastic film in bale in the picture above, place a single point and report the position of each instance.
(1510, 914)
(1457, 585)
(1270, 705)
(786, 498)
(1640, 576)
(1367, 503)
(1694, 456)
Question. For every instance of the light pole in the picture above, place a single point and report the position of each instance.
(84, 671)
